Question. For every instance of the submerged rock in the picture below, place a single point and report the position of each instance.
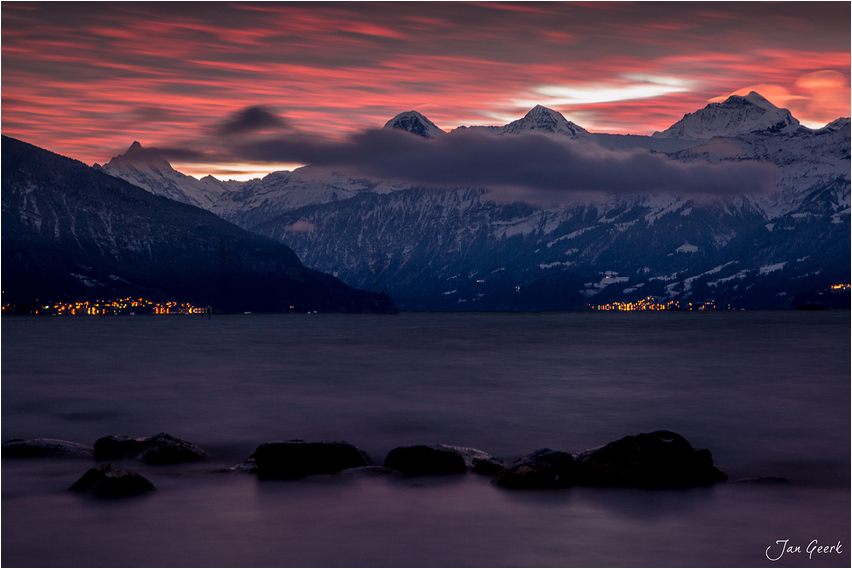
(545, 468)
(295, 459)
(46, 448)
(426, 459)
(764, 480)
(248, 466)
(371, 471)
(661, 459)
(158, 449)
(108, 481)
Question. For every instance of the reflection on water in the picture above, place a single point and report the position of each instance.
(767, 392)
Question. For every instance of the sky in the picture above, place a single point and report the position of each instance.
(87, 79)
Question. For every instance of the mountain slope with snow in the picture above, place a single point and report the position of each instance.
(539, 119)
(542, 119)
(258, 200)
(415, 123)
(144, 167)
(735, 116)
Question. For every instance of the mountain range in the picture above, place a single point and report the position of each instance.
(459, 248)
(71, 233)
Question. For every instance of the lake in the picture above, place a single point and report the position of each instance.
(768, 392)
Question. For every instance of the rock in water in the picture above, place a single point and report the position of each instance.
(544, 468)
(295, 459)
(46, 448)
(158, 449)
(108, 481)
(661, 459)
(425, 459)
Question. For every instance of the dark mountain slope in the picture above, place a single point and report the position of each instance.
(71, 232)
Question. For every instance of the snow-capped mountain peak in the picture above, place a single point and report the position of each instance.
(542, 119)
(735, 116)
(415, 123)
(144, 167)
(755, 98)
(139, 156)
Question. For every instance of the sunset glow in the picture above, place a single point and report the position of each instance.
(85, 80)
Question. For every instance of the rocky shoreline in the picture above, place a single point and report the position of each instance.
(660, 459)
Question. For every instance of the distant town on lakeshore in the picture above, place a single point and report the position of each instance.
(833, 298)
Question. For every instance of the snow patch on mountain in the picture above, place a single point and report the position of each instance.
(766, 269)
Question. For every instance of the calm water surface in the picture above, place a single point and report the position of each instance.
(767, 392)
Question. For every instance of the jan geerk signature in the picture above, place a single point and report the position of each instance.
(782, 546)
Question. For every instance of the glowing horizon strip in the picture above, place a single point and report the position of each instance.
(238, 171)
(645, 88)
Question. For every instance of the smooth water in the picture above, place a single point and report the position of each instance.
(767, 392)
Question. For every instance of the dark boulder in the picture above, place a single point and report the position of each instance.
(544, 468)
(46, 448)
(108, 481)
(157, 449)
(295, 459)
(426, 459)
(661, 459)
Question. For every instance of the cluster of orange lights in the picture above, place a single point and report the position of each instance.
(841, 287)
(647, 303)
(111, 307)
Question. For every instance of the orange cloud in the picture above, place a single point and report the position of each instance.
(817, 98)
(826, 96)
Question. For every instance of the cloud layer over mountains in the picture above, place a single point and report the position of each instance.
(531, 166)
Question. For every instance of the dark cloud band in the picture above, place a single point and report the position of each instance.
(251, 119)
(519, 163)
